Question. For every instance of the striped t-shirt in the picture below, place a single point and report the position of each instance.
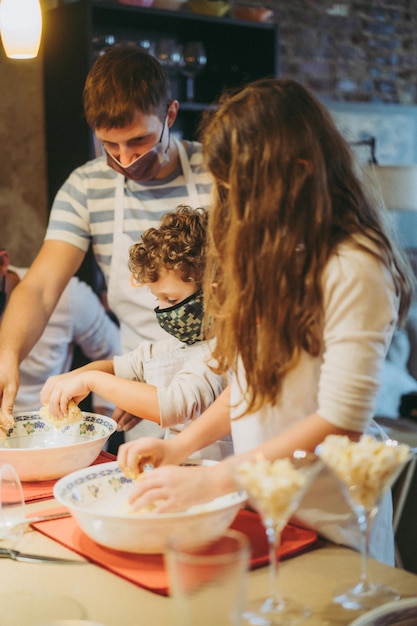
(83, 209)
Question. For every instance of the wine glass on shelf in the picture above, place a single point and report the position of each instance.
(275, 490)
(12, 507)
(169, 54)
(194, 60)
(148, 45)
(366, 469)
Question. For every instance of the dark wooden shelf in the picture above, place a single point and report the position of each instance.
(237, 51)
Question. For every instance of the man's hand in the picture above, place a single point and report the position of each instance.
(9, 385)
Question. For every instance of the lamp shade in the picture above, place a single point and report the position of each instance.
(20, 28)
(397, 185)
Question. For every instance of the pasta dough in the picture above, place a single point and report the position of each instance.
(73, 416)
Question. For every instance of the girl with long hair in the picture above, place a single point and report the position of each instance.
(303, 289)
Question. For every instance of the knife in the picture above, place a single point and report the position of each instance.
(37, 558)
(44, 518)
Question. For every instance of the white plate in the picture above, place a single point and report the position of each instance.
(397, 613)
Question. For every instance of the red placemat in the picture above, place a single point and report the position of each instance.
(148, 570)
(43, 490)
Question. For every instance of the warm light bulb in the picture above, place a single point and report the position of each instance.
(20, 28)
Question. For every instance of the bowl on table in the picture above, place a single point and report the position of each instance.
(39, 451)
(216, 8)
(97, 499)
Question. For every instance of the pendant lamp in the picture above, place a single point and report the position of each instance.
(20, 28)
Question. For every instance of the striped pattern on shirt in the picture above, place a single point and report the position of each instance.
(83, 209)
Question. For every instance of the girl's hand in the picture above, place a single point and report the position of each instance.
(134, 455)
(173, 488)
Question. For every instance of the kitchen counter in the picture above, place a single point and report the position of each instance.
(112, 601)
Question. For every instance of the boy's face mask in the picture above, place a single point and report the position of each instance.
(146, 166)
(184, 320)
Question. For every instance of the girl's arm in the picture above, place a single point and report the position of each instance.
(180, 487)
(213, 424)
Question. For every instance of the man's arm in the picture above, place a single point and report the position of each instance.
(29, 309)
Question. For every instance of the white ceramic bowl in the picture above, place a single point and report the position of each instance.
(39, 451)
(97, 499)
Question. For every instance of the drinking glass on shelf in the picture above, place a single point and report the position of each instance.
(102, 42)
(148, 45)
(12, 507)
(366, 469)
(275, 490)
(194, 59)
(169, 54)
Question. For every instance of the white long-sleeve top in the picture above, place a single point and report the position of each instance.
(341, 384)
(186, 385)
(79, 319)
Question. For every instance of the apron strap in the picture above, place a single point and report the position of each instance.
(188, 175)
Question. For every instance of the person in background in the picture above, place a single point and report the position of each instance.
(144, 172)
(167, 382)
(304, 287)
(78, 319)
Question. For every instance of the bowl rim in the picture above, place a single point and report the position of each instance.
(240, 496)
(111, 423)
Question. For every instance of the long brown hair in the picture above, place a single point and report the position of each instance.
(285, 195)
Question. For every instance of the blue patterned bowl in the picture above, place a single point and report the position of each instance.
(97, 498)
(39, 451)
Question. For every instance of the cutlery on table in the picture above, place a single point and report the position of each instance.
(40, 518)
(37, 558)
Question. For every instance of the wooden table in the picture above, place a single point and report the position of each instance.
(112, 601)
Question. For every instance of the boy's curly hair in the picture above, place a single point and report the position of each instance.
(178, 243)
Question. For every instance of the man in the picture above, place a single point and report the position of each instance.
(79, 319)
(143, 173)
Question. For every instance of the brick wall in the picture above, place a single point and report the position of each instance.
(350, 50)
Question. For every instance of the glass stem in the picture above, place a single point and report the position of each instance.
(190, 88)
(274, 538)
(365, 528)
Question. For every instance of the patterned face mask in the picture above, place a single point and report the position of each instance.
(184, 320)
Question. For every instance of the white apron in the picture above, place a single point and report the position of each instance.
(134, 307)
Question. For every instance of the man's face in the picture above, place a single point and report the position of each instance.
(130, 142)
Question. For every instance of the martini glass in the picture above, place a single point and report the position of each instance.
(12, 507)
(275, 490)
(366, 469)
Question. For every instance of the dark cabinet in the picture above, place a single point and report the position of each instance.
(237, 52)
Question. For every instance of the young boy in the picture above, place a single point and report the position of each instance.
(168, 382)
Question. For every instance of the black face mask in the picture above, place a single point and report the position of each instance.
(184, 320)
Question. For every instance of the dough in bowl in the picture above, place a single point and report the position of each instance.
(73, 416)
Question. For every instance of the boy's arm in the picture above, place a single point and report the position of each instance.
(134, 397)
